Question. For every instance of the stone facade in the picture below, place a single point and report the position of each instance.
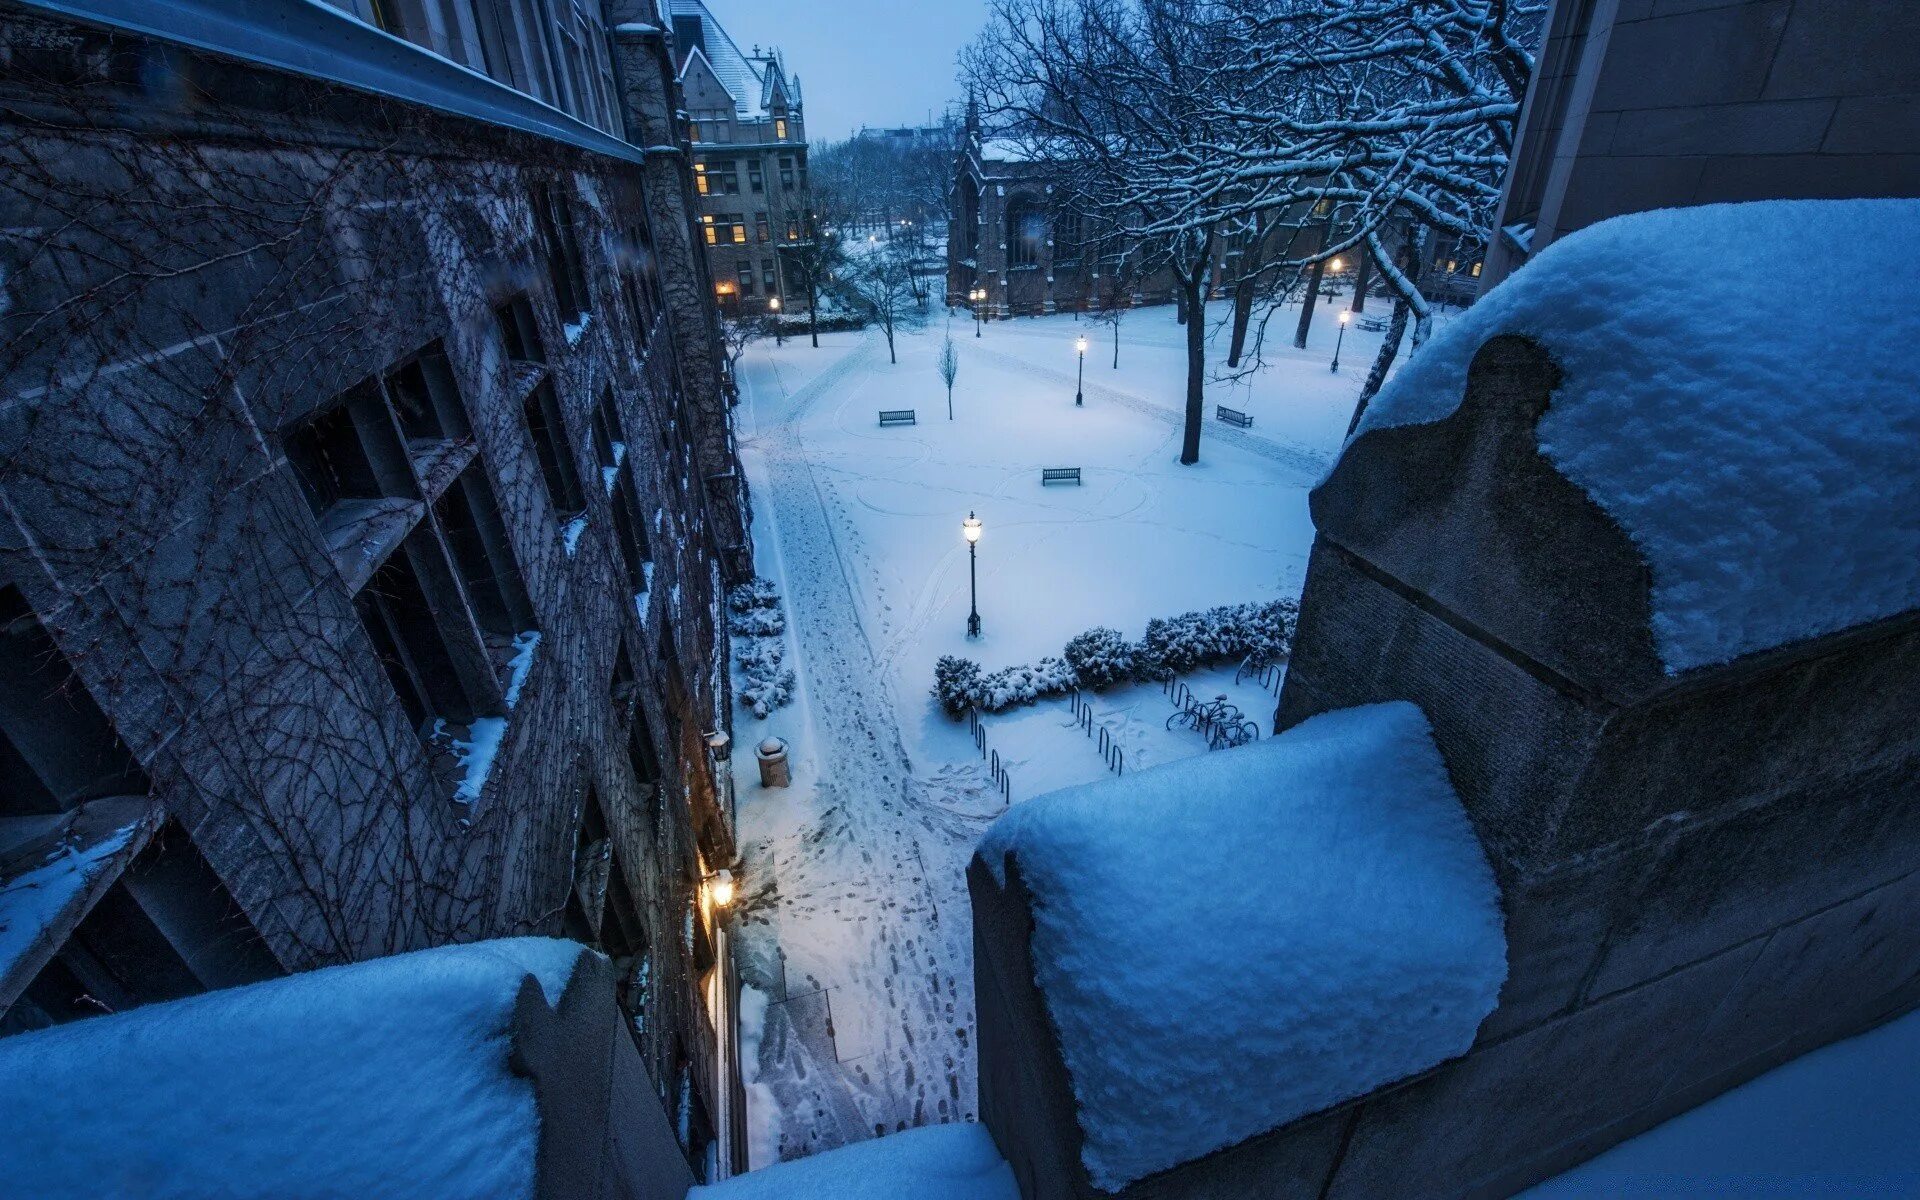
(1644, 104)
(315, 405)
(1703, 875)
(749, 160)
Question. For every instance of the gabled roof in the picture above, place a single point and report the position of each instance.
(754, 81)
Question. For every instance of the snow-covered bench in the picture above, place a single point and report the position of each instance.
(897, 416)
(1059, 475)
(1232, 416)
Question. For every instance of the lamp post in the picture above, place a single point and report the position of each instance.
(978, 296)
(1338, 338)
(1079, 384)
(773, 306)
(971, 528)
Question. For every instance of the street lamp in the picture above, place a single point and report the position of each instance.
(1335, 266)
(1079, 384)
(720, 888)
(971, 528)
(773, 306)
(978, 296)
(1341, 337)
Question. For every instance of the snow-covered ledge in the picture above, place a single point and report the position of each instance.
(1173, 962)
(497, 1069)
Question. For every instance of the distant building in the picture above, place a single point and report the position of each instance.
(750, 160)
(369, 496)
(1637, 105)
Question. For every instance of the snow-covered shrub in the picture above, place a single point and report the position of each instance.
(757, 623)
(765, 692)
(755, 593)
(1101, 657)
(759, 651)
(956, 683)
(1024, 684)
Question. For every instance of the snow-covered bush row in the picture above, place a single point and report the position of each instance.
(1101, 657)
(759, 651)
(1262, 632)
(959, 684)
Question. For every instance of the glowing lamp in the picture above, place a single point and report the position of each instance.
(971, 528)
(720, 888)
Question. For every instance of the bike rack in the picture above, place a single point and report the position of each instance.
(1267, 673)
(1109, 747)
(996, 770)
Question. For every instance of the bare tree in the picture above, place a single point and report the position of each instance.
(949, 363)
(736, 334)
(882, 280)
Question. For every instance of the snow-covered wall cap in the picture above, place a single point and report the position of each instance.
(1741, 394)
(383, 1078)
(1234, 941)
(935, 1162)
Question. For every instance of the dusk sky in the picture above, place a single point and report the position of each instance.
(861, 62)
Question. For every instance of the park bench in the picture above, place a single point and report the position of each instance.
(1059, 475)
(1372, 324)
(897, 416)
(1233, 416)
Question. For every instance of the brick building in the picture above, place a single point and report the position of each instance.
(750, 160)
(1637, 105)
(368, 498)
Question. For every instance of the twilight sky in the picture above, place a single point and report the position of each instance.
(861, 62)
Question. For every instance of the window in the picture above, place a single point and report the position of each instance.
(786, 173)
(793, 227)
(425, 398)
(723, 178)
(349, 456)
(412, 645)
(1476, 270)
(641, 310)
(761, 233)
(476, 539)
(551, 446)
(553, 218)
(592, 866)
(167, 928)
(609, 443)
(769, 277)
(1026, 232)
(743, 271)
(756, 177)
(779, 129)
(725, 229)
(1067, 236)
(519, 330)
(57, 748)
(700, 180)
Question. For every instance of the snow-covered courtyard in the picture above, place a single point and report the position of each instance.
(855, 921)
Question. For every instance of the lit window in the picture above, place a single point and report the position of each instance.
(1452, 265)
(706, 225)
(1476, 270)
(700, 177)
(779, 130)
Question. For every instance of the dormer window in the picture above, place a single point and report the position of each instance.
(779, 129)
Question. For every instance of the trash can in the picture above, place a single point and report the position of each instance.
(774, 771)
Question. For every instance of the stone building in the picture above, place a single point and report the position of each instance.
(369, 497)
(750, 161)
(1638, 105)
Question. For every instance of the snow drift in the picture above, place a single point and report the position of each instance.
(1233, 941)
(377, 1079)
(1751, 426)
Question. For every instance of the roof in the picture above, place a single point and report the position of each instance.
(1753, 437)
(751, 79)
(390, 1078)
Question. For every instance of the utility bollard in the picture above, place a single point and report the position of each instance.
(774, 769)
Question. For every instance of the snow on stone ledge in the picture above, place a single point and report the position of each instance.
(1236, 940)
(938, 1162)
(1742, 395)
(383, 1078)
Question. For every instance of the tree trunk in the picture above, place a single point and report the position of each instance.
(1242, 315)
(1196, 369)
(949, 402)
(1116, 345)
(813, 312)
(1306, 305)
(892, 359)
(1390, 346)
(1363, 275)
(1180, 305)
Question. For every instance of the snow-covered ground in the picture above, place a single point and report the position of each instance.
(855, 919)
